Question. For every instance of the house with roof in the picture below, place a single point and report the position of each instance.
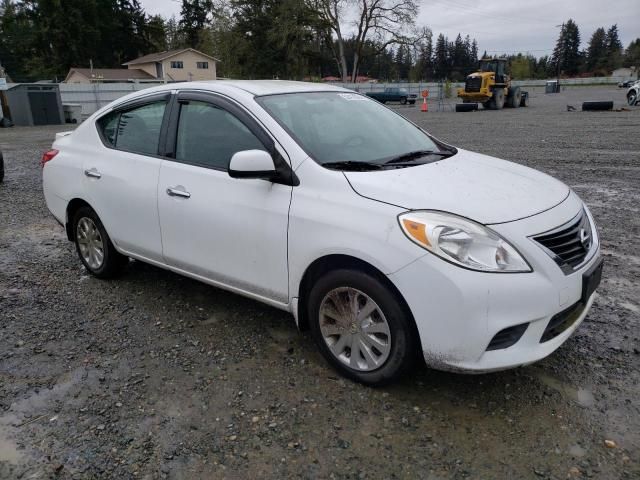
(181, 65)
(105, 75)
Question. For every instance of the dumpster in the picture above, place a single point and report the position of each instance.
(552, 86)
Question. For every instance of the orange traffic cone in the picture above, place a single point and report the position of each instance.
(424, 107)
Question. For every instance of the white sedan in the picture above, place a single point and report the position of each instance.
(383, 241)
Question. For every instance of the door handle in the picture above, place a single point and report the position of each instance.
(178, 192)
(93, 173)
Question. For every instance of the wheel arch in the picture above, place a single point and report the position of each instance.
(327, 263)
(72, 207)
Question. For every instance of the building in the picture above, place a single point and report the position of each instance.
(183, 65)
(630, 73)
(106, 75)
(31, 104)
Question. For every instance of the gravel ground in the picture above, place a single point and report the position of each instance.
(158, 376)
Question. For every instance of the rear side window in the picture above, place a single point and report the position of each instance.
(209, 136)
(108, 126)
(136, 130)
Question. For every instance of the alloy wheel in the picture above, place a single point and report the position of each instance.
(90, 243)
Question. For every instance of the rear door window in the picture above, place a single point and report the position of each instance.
(135, 130)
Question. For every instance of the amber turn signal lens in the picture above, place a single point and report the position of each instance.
(417, 231)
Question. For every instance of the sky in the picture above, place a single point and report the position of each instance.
(505, 26)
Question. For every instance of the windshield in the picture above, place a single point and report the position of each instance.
(487, 66)
(345, 127)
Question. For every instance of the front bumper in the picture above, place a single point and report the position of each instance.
(483, 95)
(458, 312)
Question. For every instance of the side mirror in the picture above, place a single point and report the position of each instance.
(252, 164)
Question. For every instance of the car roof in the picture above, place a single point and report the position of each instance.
(261, 87)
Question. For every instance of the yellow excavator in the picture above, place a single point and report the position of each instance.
(491, 86)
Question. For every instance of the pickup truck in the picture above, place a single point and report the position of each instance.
(401, 95)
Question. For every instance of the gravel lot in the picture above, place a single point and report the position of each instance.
(158, 376)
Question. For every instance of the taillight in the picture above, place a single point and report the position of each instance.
(48, 155)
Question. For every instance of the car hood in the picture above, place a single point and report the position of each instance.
(476, 186)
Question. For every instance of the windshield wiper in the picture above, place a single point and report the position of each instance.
(410, 156)
(352, 165)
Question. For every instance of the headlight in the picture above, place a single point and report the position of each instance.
(462, 241)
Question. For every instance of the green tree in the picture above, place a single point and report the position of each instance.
(566, 54)
(596, 58)
(614, 48)
(520, 67)
(194, 17)
(632, 54)
(441, 58)
(156, 33)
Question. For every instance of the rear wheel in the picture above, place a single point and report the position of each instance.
(515, 95)
(403, 100)
(94, 247)
(361, 327)
(632, 98)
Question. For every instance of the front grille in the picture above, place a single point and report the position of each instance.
(561, 321)
(569, 244)
(473, 84)
(507, 337)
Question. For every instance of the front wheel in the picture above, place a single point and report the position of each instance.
(632, 98)
(361, 327)
(403, 100)
(497, 100)
(94, 247)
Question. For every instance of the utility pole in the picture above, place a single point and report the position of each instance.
(560, 57)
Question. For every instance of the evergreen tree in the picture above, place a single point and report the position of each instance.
(194, 17)
(423, 68)
(156, 33)
(566, 54)
(614, 48)
(441, 58)
(596, 57)
(632, 54)
(474, 54)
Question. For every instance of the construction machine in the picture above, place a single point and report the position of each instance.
(491, 86)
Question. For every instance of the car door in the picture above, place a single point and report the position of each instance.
(232, 232)
(121, 178)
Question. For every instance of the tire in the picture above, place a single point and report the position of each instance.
(514, 98)
(524, 99)
(403, 101)
(497, 100)
(390, 353)
(466, 107)
(88, 227)
(412, 102)
(632, 98)
(596, 106)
